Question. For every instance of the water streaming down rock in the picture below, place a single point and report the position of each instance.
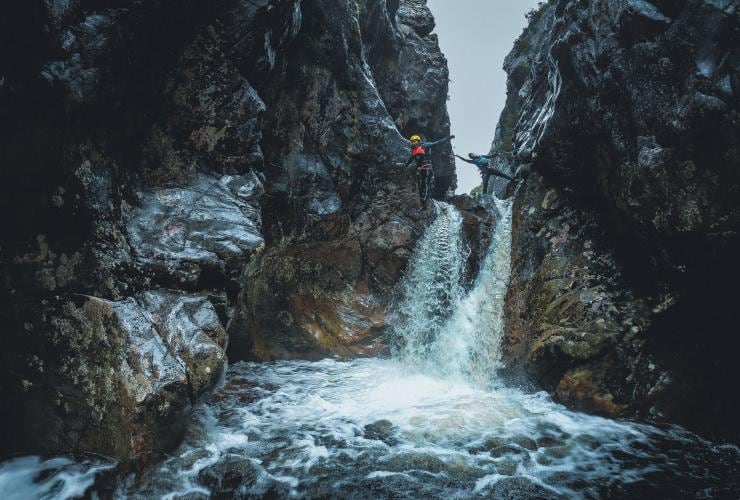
(442, 329)
(470, 343)
(534, 126)
(432, 288)
(395, 428)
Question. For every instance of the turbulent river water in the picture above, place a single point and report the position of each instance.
(432, 421)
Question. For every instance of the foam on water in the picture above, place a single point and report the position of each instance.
(348, 427)
(428, 423)
(34, 477)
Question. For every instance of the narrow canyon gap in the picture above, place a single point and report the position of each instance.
(476, 36)
(218, 282)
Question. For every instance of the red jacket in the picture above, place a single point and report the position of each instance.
(423, 162)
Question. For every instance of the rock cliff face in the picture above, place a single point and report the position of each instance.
(340, 218)
(624, 113)
(171, 170)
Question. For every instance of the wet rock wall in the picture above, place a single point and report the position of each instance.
(624, 116)
(171, 170)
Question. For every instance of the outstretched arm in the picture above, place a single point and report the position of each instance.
(430, 144)
(466, 160)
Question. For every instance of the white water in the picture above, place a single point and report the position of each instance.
(306, 433)
(432, 289)
(27, 478)
(443, 329)
(429, 423)
(470, 343)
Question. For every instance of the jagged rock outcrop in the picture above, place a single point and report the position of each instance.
(340, 218)
(118, 377)
(196, 232)
(150, 150)
(129, 141)
(625, 116)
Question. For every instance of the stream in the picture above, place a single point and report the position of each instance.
(431, 421)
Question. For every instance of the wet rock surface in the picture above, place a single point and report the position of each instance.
(382, 430)
(118, 377)
(206, 222)
(624, 116)
(340, 219)
(99, 362)
(150, 151)
(231, 476)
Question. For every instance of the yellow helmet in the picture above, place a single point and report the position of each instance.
(415, 138)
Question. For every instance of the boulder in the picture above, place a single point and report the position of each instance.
(119, 377)
(231, 477)
(209, 222)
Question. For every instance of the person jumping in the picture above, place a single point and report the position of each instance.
(421, 154)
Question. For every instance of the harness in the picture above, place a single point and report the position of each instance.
(426, 162)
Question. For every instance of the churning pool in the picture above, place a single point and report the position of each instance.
(377, 428)
(430, 423)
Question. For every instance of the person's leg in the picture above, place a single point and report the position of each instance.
(420, 185)
(428, 179)
(423, 188)
(501, 174)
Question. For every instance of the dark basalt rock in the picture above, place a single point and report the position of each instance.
(117, 377)
(231, 477)
(149, 151)
(479, 218)
(519, 487)
(207, 223)
(340, 219)
(382, 430)
(625, 117)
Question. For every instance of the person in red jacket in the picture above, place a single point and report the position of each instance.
(421, 154)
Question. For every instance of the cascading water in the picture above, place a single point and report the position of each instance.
(432, 288)
(470, 343)
(442, 329)
(428, 423)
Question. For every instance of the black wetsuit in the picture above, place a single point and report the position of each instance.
(422, 155)
(483, 162)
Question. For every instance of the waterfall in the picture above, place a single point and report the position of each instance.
(432, 287)
(442, 328)
(470, 343)
(429, 423)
